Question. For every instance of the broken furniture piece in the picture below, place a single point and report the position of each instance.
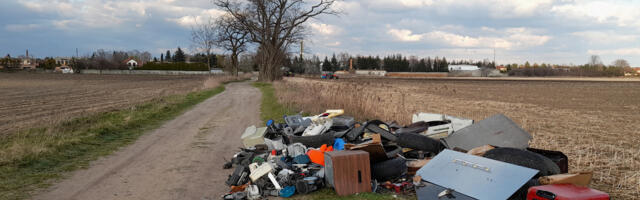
(497, 130)
(348, 172)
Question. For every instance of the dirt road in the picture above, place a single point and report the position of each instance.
(181, 160)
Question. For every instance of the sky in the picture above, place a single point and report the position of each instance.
(541, 31)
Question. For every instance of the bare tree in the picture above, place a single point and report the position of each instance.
(274, 25)
(204, 38)
(232, 37)
(620, 63)
(594, 61)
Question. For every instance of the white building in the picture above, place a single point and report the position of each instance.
(463, 67)
(131, 63)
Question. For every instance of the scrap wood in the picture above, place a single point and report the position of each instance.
(373, 146)
(415, 165)
(479, 151)
(580, 179)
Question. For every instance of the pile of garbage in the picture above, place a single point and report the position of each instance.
(436, 157)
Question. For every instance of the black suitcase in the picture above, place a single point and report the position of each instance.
(557, 157)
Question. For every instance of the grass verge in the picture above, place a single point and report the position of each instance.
(73, 144)
(272, 109)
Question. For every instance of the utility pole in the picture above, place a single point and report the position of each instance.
(301, 49)
(494, 56)
(77, 53)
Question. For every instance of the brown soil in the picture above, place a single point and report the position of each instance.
(40, 99)
(181, 160)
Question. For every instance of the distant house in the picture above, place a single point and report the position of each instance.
(502, 68)
(62, 61)
(131, 63)
(27, 63)
(463, 67)
(371, 72)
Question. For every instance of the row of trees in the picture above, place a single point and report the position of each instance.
(10, 62)
(392, 63)
(594, 68)
(103, 59)
(178, 57)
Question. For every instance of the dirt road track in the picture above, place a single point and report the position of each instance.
(181, 160)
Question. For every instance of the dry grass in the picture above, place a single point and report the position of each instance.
(595, 123)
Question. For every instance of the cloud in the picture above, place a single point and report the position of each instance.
(606, 37)
(560, 31)
(508, 39)
(621, 13)
(21, 27)
(116, 13)
(621, 52)
(324, 29)
(191, 20)
(405, 35)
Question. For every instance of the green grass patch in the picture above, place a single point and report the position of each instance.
(270, 107)
(35, 158)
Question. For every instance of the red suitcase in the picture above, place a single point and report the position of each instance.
(565, 192)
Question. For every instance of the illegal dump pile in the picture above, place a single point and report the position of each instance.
(435, 157)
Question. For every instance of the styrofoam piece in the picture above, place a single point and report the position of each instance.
(319, 128)
(253, 136)
(443, 130)
(427, 117)
(259, 172)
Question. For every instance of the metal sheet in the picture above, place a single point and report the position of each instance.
(497, 130)
(430, 192)
(475, 176)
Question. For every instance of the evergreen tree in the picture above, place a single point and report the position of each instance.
(167, 56)
(155, 59)
(421, 66)
(445, 65)
(179, 56)
(326, 65)
(214, 60)
(334, 62)
(161, 57)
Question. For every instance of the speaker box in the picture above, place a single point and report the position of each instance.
(348, 172)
